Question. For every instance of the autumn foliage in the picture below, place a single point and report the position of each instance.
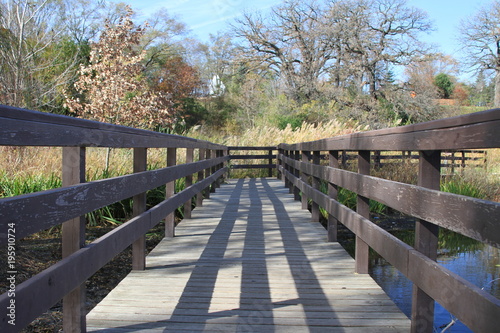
(113, 88)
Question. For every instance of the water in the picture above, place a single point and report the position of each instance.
(475, 262)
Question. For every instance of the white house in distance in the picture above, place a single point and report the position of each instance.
(216, 87)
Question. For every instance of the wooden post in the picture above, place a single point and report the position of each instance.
(333, 160)
(73, 239)
(296, 172)
(426, 242)
(304, 177)
(286, 153)
(201, 176)
(315, 184)
(215, 168)
(139, 206)
(376, 159)
(291, 170)
(278, 164)
(344, 159)
(363, 209)
(189, 181)
(270, 171)
(208, 172)
(169, 192)
(225, 164)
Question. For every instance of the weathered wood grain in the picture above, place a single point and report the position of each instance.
(49, 286)
(475, 218)
(474, 131)
(442, 285)
(21, 127)
(42, 210)
(250, 260)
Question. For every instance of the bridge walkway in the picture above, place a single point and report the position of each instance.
(249, 260)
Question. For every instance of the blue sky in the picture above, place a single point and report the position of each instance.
(205, 17)
(209, 16)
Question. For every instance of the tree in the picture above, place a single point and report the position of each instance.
(480, 37)
(444, 84)
(355, 41)
(293, 42)
(112, 87)
(41, 44)
(386, 34)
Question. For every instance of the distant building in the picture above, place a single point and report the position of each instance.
(216, 87)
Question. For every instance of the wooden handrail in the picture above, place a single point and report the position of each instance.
(33, 212)
(269, 157)
(297, 164)
(475, 218)
(474, 131)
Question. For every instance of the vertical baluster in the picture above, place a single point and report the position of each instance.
(201, 176)
(139, 206)
(296, 172)
(315, 184)
(270, 171)
(208, 172)
(279, 163)
(426, 242)
(189, 182)
(215, 168)
(288, 168)
(73, 239)
(305, 179)
(169, 192)
(333, 160)
(363, 208)
(292, 171)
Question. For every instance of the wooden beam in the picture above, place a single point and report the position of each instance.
(426, 242)
(332, 225)
(169, 192)
(139, 206)
(189, 181)
(474, 218)
(304, 177)
(53, 207)
(363, 209)
(315, 214)
(73, 239)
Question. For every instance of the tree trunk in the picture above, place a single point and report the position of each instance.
(497, 88)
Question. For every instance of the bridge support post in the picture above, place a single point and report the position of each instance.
(189, 182)
(169, 192)
(279, 163)
(333, 161)
(73, 239)
(426, 242)
(363, 209)
(201, 176)
(304, 177)
(208, 172)
(316, 157)
(296, 173)
(139, 206)
(217, 153)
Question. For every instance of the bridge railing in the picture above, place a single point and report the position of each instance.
(268, 157)
(24, 215)
(299, 165)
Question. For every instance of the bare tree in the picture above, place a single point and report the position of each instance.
(480, 36)
(293, 42)
(383, 33)
(308, 43)
(40, 48)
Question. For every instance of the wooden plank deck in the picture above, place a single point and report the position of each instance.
(249, 260)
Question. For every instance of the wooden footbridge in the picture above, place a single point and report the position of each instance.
(251, 257)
